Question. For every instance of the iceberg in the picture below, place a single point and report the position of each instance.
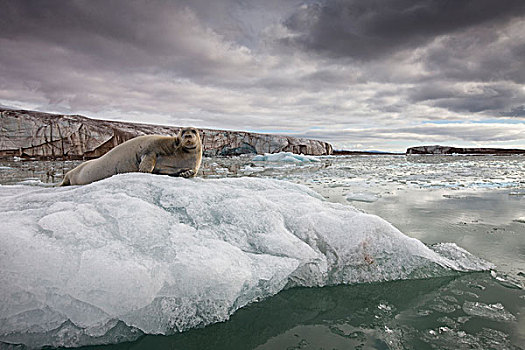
(284, 157)
(141, 253)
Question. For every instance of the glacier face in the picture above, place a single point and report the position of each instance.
(141, 253)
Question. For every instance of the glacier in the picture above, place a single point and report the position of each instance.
(141, 253)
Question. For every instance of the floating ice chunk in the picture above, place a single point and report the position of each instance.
(494, 312)
(247, 170)
(222, 171)
(161, 254)
(520, 220)
(507, 281)
(517, 193)
(284, 157)
(452, 196)
(361, 196)
(35, 182)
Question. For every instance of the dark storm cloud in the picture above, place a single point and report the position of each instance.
(373, 28)
(453, 46)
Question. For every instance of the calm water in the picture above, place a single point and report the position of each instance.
(477, 202)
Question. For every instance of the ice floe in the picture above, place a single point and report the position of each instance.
(362, 196)
(138, 253)
(494, 312)
(284, 157)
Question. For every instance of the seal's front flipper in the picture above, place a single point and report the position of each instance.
(187, 173)
(147, 163)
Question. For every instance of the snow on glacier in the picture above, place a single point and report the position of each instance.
(140, 253)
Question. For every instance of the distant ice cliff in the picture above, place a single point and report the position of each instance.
(137, 253)
(437, 149)
(32, 134)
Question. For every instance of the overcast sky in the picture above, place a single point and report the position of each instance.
(360, 74)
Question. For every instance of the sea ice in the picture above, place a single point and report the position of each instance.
(248, 170)
(494, 312)
(284, 157)
(361, 196)
(137, 253)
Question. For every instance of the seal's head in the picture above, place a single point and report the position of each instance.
(190, 139)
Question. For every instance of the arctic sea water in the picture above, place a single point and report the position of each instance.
(226, 258)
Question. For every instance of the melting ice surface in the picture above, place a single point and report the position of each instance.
(138, 253)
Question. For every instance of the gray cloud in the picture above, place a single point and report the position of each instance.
(468, 97)
(370, 29)
(442, 48)
(515, 112)
(489, 53)
(164, 36)
(478, 134)
(349, 72)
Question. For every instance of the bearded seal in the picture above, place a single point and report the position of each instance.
(178, 155)
(186, 160)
